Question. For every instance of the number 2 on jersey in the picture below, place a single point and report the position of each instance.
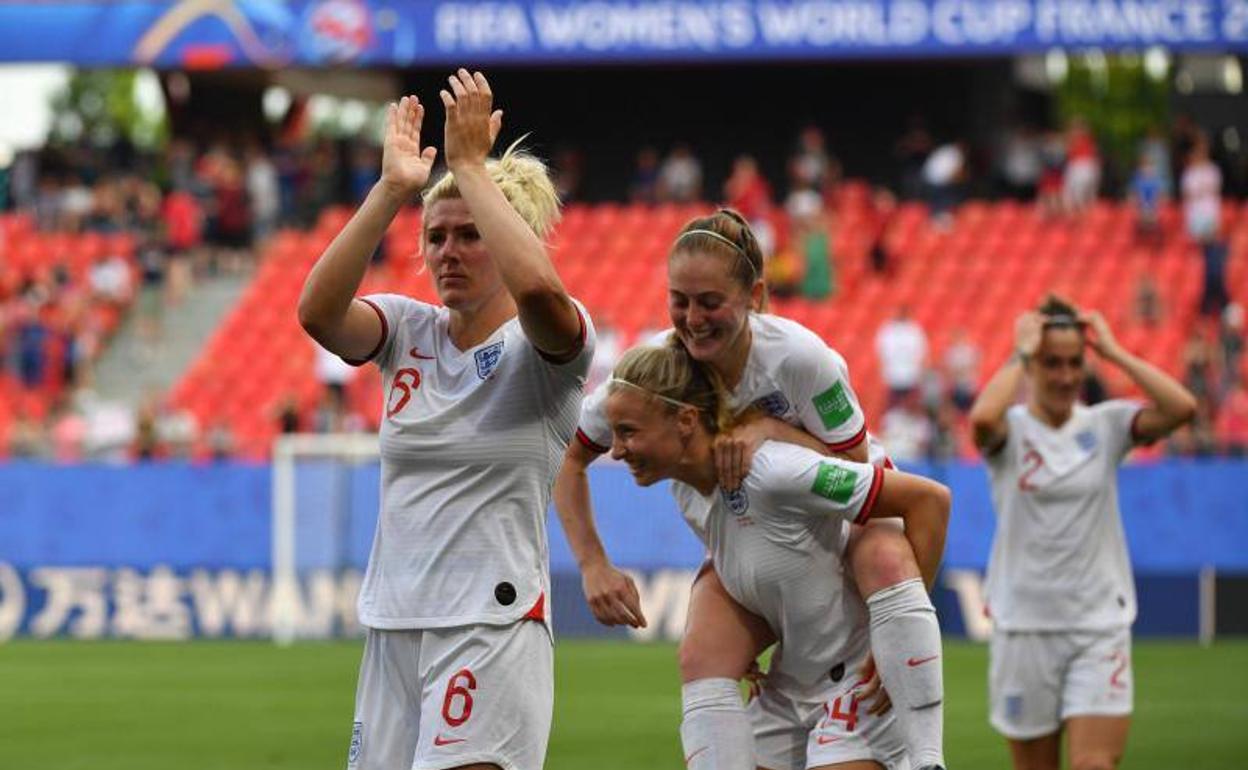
(459, 688)
(1034, 461)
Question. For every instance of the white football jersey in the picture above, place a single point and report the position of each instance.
(776, 544)
(1059, 557)
(470, 444)
(790, 374)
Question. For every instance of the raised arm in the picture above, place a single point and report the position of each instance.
(612, 595)
(988, 425)
(547, 314)
(328, 311)
(1171, 405)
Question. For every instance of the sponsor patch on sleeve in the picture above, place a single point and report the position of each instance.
(833, 406)
(835, 482)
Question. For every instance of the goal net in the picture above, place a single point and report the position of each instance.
(324, 509)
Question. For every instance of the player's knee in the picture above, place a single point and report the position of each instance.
(700, 660)
(882, 557)
(1099, 760)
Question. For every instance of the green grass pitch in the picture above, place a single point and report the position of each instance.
(240, 705)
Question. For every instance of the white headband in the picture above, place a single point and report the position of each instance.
(729, 241)
(617, 381)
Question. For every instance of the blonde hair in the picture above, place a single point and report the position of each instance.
(673, 375)
(525, 183)
(727, 234)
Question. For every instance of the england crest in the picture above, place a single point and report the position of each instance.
(488, 358)
(737, 501)
(774, 404)
(1086, 440)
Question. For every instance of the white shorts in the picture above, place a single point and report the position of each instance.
(444, 697)
(1038, 680)
(795, 732)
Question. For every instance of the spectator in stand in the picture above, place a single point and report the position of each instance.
(1053, 159)
(1231, 337)
(1082, 177)
(231, 215)
(1020, 163)
(1202, 212)
(811, 242)
(67, 430)
(783, 272)
(912, 150)
(147, 444)
(182, 222)
(811, 166)
(747, 191)
(1184, 134)
(107, 209)
(962, 360)
(109, 281)
(262, 193)
(365, 160)
(1231, 428)
(334, 374)
(47, 207)
(149, 252)
(1156, 149)
(644, 187)
(288, 417)
(1199, 363)
(879, 224)
(680, 176)
(27, 438)
(943, 173)
(901, 347)
(220, 440)
(1148, 192)
(32, 338)
(1148, 310)
(906, 429)
(77, 200)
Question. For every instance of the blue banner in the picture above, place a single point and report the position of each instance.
(273, 33)
(172, 551)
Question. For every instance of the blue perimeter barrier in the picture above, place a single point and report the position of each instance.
(173, 550)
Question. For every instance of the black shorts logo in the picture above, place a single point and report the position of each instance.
(505, 593)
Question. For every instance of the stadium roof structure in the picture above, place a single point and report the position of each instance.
(210, 34)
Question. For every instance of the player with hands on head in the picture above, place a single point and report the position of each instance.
(776, 541)
(482, 397)
(780, 369)
(1059, 585)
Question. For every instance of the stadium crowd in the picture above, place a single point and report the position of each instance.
(191, 210)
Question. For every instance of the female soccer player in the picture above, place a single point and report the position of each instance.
(785, 370)
(776, 542)
(483, 398)
(1059, 588)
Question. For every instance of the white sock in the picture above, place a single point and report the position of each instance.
(714, 731)
(905, 640)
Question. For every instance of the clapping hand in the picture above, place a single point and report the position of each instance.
(405, 166)
(472, 124)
